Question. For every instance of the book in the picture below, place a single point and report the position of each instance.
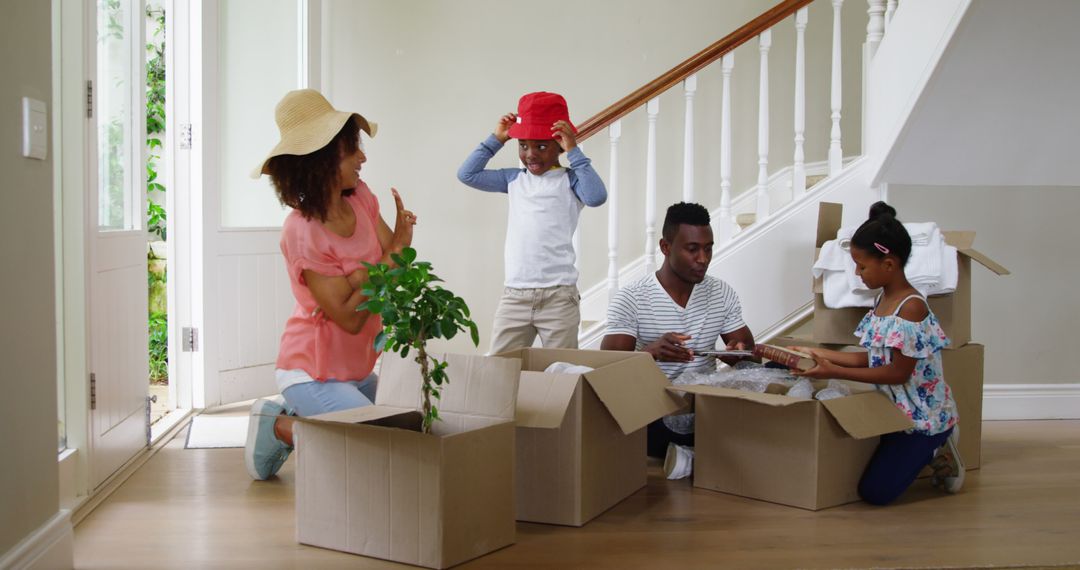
(727, 353)
(785, 356)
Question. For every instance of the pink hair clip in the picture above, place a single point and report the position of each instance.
(881, 248)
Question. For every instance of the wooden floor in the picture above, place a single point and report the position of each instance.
(199, 509)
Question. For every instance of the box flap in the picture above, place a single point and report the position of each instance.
(830, 216)
(544, 398)
(479, 385)
(985, 261)
(633, 391)
(538, 359)
(766, 398)
(867, 415)
(963, 241)
(362, 415)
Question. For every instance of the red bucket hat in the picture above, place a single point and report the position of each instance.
(536, 113)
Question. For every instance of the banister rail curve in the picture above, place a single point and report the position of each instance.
(696, 63)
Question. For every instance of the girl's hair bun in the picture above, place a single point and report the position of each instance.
(881, 210)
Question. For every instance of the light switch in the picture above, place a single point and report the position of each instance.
(35, 129)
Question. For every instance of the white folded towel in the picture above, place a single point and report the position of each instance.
(832, 258)
(836, 289)
(922, 233)
(932, 269)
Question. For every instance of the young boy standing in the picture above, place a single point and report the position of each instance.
(540, 295)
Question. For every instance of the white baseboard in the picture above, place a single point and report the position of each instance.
(49, 547)
(1031, 401)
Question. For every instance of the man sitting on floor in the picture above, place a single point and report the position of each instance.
(678, 312)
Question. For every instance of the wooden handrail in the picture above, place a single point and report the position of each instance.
(702, 59)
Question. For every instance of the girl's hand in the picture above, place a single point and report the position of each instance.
(824, 370)
(502, 128)
(403, 226)
(814, 353)
(563, 134)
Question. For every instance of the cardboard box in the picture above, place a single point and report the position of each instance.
(581, 437)
(837, 326)
(802, 453)
(963, 369)
(368, 482)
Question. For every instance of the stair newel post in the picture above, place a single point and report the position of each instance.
(690, 89)
(764, 43)
(798, 169)
(890, 10)
(875, 26)
(652, 108)
(727, 221)
(614, 132)
(836, 155)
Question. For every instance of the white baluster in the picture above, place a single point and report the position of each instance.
(727, 222)
(875, 26)
(798, 169)
(836, 155)
(690, 87)
(653, 109)
(764, 43)
(614, 132)
(890, 10)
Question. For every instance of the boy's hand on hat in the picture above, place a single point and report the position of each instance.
(563, 134)
(502, 129)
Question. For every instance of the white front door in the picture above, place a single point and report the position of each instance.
(117, 238)
(246, 65)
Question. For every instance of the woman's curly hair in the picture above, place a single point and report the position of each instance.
(302, 181)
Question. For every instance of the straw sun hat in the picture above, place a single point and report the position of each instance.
(307, 122)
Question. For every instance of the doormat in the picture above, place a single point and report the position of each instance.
(217, 432)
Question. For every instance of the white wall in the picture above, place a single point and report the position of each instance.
(436, 75)
(28, 478)
(1027, 320)
(1020, 131)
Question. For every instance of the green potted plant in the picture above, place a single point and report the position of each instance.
(413, 311)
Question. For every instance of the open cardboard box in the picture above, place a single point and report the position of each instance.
(963, 369)
(581, 437)
(803, 453)
(368, 482)
(953, 310)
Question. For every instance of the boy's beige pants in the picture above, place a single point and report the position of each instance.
(552, 312)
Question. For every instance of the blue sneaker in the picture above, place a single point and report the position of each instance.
(264, 453)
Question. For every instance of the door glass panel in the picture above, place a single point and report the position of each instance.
(117, 198)
(257, 66)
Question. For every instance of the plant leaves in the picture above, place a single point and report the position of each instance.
(380, 341)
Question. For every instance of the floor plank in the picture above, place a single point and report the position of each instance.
(198, 509)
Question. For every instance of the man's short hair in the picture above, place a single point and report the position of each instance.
(683, 213)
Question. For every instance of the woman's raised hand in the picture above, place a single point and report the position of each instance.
(403, 226)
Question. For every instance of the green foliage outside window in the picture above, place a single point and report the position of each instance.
(158, 319)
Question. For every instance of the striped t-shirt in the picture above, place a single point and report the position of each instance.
(645, 311)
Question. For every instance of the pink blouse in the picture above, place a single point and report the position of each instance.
(316, 344)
